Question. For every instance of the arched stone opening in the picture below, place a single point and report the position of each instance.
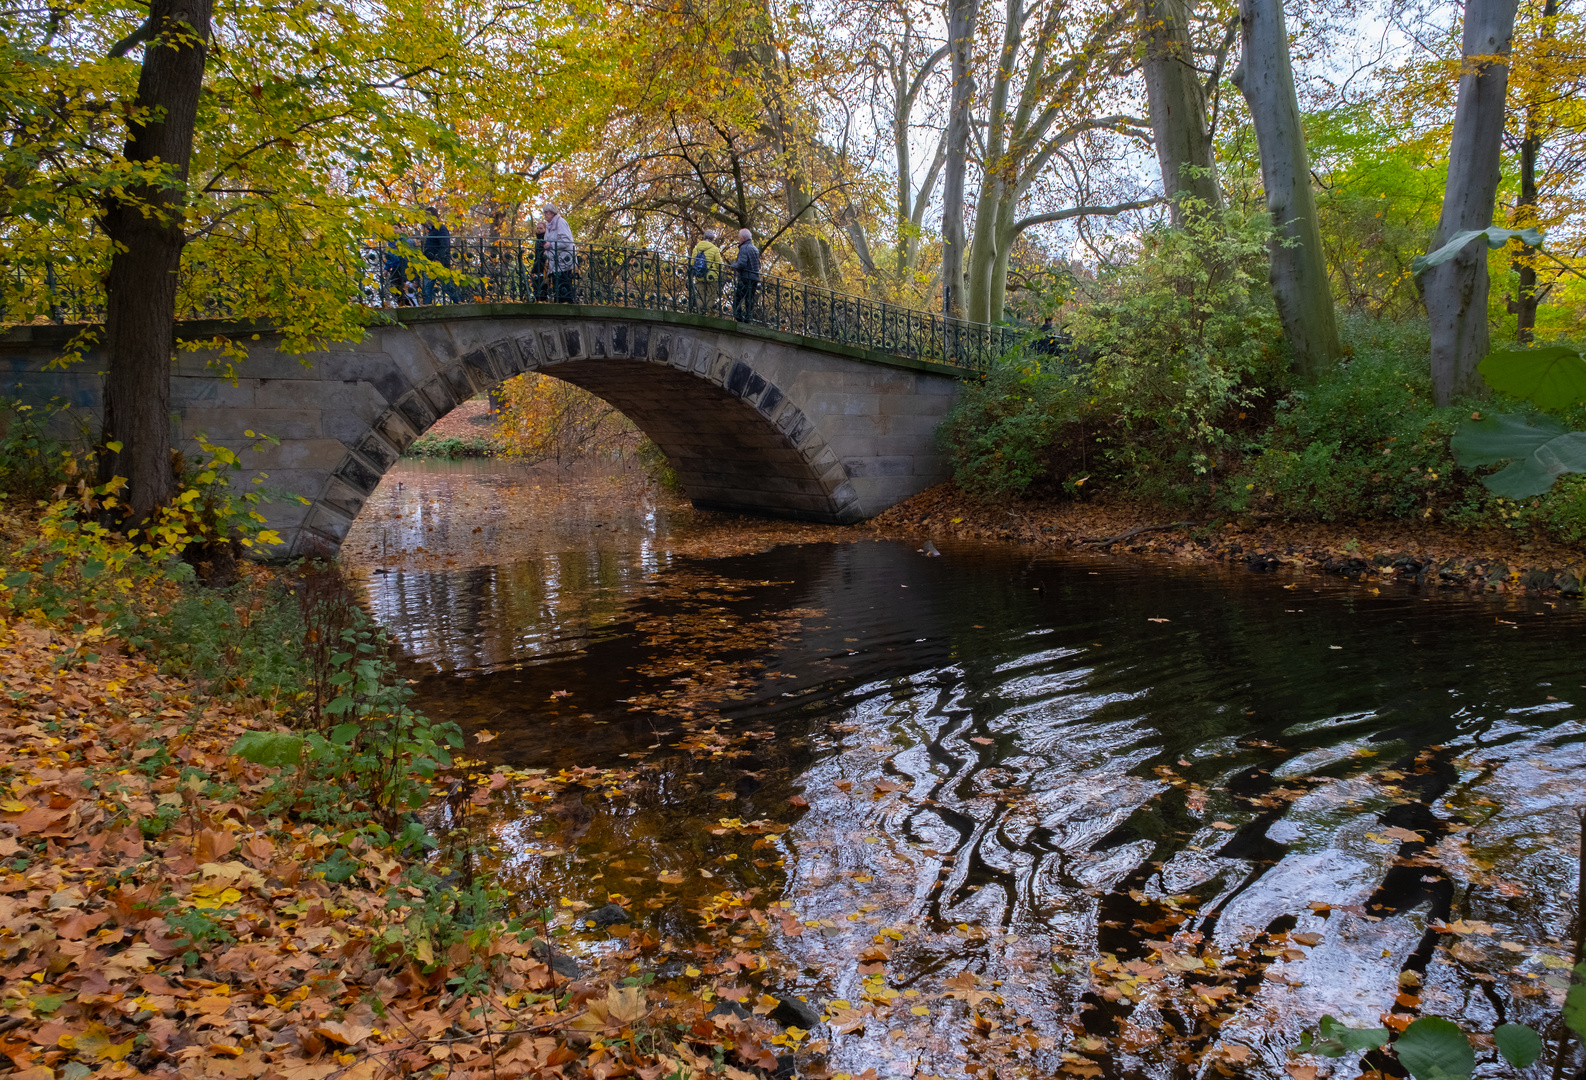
(735, 438)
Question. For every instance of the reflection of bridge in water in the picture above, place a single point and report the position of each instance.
(815, 405)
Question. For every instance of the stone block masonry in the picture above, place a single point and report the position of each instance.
(752, 420)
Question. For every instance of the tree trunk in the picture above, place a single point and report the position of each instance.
(146, 226)
(1177, 100)
(1299, 274)
(1524, 260)
(961, 17)
(1456, 291)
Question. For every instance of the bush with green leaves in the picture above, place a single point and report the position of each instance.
(31, 461)
(1173, 352)
(1362, 441)
(357, 739)
(1180, 342)
(1023, 424)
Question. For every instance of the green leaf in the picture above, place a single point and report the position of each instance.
(1496, 238)
(343, 734)
(1432, 1047)
(1502, 438)
(1552, 377)
(269, 748)
(1518, 1044)
(1357, 1039)
(1575, 1009)
(1534, 475)
(1541, 449)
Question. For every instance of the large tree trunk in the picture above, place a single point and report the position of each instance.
(1177, 100)
(146, 226)
(1456, 291)
(1299, 273)
(1525, 214)
(961, 16)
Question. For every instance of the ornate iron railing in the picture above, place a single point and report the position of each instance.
(515, 270)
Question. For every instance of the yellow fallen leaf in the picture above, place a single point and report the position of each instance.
(692, 972)
(12, 806)
(625, 1004)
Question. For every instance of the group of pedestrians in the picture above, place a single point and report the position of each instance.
(706, 265)
(408, 286)
(555, 257)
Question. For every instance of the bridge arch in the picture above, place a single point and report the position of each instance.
(736, 439)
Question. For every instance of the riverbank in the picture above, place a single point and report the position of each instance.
(1491, 559)
(207, 867)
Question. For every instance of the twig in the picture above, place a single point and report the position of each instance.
(1111, 540)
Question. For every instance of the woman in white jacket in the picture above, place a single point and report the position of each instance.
(560, 254)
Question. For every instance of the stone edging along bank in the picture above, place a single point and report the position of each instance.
(1495, 560)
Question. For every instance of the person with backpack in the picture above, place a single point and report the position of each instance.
(746, 267)
(704, 275)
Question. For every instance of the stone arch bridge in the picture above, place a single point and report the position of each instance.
(752, 418)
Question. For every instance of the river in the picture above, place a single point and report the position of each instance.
(997, 811)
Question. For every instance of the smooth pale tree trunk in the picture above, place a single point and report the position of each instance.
(961, 16)
(1456, 291)
(1299, 273)
(146, 225)
(1177, 100)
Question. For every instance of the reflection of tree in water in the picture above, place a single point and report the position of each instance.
(541, 418)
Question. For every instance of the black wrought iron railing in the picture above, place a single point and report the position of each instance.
(490, 270)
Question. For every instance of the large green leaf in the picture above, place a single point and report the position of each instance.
(1502, 438)
(1552, 377)
(1433, 1047)
(1575, 1005)
(269, 748)
(1535, 474)
(1518, 1044)
(1496, 238)
(1540, 450)
(1336, 1040)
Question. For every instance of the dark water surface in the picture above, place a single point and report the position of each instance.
(1165, 816)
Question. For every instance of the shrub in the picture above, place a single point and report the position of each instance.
(1183, 342)
(1363, 441)
(1175, 349)
(32, 465)
(452, 446)
(1017, 428)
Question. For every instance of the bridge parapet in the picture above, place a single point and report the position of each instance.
(394, 274)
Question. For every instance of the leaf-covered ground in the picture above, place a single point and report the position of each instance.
(1493, 559)
(155, 920)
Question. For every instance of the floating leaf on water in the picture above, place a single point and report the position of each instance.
(1433, 1047)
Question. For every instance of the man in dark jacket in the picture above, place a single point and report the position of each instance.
(746, 267)
(437, 249)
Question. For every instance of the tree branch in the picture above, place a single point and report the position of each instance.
(1084, 211)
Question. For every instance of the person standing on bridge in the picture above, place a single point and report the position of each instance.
(537, 267)
(746, 265)
(560, 253)
(437, 249)
(704, 275)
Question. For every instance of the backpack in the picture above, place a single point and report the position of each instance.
(699, 268)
